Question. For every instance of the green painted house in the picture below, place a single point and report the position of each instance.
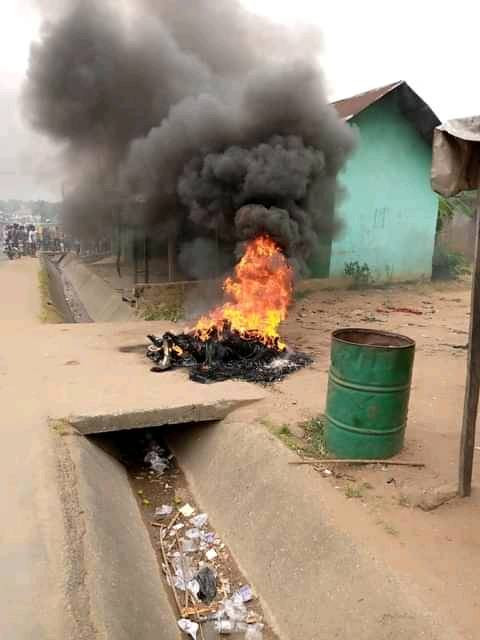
(389, 213)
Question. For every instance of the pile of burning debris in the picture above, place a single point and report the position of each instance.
(239, 339)
(224, 356)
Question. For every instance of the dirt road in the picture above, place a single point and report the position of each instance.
(64, 503)
(30, 516)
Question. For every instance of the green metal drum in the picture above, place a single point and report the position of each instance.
(368, 393)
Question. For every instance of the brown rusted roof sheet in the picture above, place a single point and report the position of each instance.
(409, 103)
(352, 106)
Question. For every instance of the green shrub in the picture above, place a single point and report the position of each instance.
(360, 274)
(447, 265)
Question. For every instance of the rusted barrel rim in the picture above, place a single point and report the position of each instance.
(398, 341)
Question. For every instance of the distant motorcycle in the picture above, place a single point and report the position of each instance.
(12, 252)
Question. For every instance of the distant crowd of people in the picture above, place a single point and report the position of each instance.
(25, 240)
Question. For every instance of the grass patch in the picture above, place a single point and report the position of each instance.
(354, 491)
(49, 314)
(172, 312)
(288, 438)
(61, 427)
(357, 490)
(315, 437)
(312, 444)
(360, 274)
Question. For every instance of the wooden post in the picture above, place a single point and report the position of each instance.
(171, 258)
(146, 256)
(135, 255)
(472, 385)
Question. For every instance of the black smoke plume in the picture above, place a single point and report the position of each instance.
(213, 118)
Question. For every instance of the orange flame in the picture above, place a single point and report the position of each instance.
(260, 293)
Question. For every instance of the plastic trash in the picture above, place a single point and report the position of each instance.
(211, 554)
(200, 520)
(194, 587)
(176, 528)
(209, 537)
(183, 569)
(193, 534)
(207, 583)
(225, 627)
(157, 462)
(187, 510)
(189, 546)
(189, 627)
(245, 593)
(254, 632)
(235, 609)
(179, 583)
(163, 511)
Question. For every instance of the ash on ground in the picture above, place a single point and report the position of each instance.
(224, 356)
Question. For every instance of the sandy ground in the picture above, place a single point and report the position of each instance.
(438, 549)
(31, 537)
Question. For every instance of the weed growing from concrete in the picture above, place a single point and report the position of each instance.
(48, 312)
(287, 437)
(315, 437)
(61, 427)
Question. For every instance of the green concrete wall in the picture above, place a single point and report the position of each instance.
(390, 212)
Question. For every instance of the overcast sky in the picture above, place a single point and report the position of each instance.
(431, 44)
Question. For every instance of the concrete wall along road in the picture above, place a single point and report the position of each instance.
(390, 211)
(102, 303)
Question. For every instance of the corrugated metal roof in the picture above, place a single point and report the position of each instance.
(410, 104)
(349, 107)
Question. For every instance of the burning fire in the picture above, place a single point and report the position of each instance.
(260, 292)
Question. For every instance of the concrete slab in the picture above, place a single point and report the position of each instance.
(100, 380)
(179, 402)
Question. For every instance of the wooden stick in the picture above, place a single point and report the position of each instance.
(172, 521)
(169, 574)
(186, 588)
(472, 384)
(400, 463)
(201, 630)
(183, 568)
(200, 611)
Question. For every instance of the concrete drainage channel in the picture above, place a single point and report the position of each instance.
(186, 549)
(314, 578)
(184, 540)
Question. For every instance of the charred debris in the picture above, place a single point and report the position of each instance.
(223, 356)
